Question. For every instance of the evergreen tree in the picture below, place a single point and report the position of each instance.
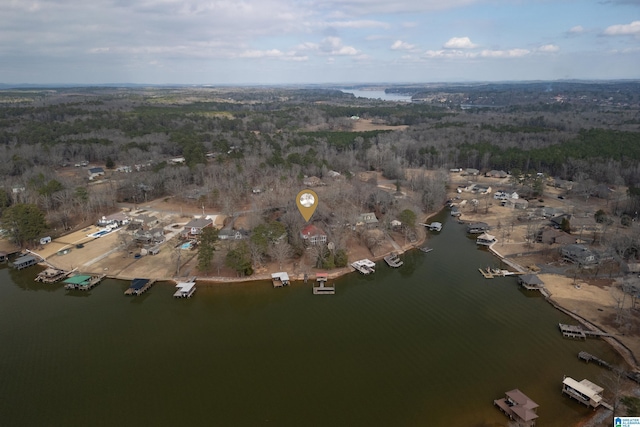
(24, 223)
(206, 248)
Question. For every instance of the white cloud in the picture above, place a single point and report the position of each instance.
(548, 48)
(511, 53)
(459, 43)
(400, 45)
(632, 29)
(358, 24)
(357, 7)
(578, 29)
(334, 46)
(448, 54)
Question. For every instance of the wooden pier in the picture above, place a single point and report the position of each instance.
(490, 273)
(587, 357)
(139, 286)
(393, 260)
(572, 331)
(322, 289)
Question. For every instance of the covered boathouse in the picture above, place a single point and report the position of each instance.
(517, 406)
(530, 282)
(585, 392)
(24, 261)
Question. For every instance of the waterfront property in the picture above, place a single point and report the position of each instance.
(139, 286)
(280, 279)
(364, 266)
(82, 282)
(530, 282)
(24, 261)
(486, 239)
(393, 260)
(585, 392)
(185, 289)
(518, 407)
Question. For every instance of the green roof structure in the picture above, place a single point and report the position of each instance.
(78, 280)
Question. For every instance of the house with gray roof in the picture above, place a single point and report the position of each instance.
(579, 254)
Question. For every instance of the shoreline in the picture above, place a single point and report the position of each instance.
(625, 352)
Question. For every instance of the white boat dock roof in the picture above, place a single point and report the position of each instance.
(585, 387)
(185, 286)
(282, 276)
(366, 262)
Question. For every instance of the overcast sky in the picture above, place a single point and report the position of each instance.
(316, 41)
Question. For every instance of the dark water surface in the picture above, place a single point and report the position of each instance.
(429, 344)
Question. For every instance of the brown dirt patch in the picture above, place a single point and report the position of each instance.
(364, 125)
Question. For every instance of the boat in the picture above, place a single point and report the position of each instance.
(426, 249)
(393, 260)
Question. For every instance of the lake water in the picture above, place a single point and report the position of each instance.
(429, 344)
(378, 94)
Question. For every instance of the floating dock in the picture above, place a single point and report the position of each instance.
(139, 286)
(322, 289)
(364, 266)
(572, 331)
(393, 260)
(82, 282)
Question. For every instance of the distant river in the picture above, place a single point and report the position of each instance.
(378, 94)
(429, 344)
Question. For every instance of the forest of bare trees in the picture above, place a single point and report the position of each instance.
(231, 142)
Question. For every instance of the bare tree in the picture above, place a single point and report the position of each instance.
(280, 251)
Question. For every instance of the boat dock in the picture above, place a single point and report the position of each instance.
(572, 331)
(185, 289)
(393, 260)
(280, 279)
(490, 273)
(587, 357)
(322, 289)
(139, 286)
(51, 275)
(24, 261)
(83, 282)
(364, 266)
